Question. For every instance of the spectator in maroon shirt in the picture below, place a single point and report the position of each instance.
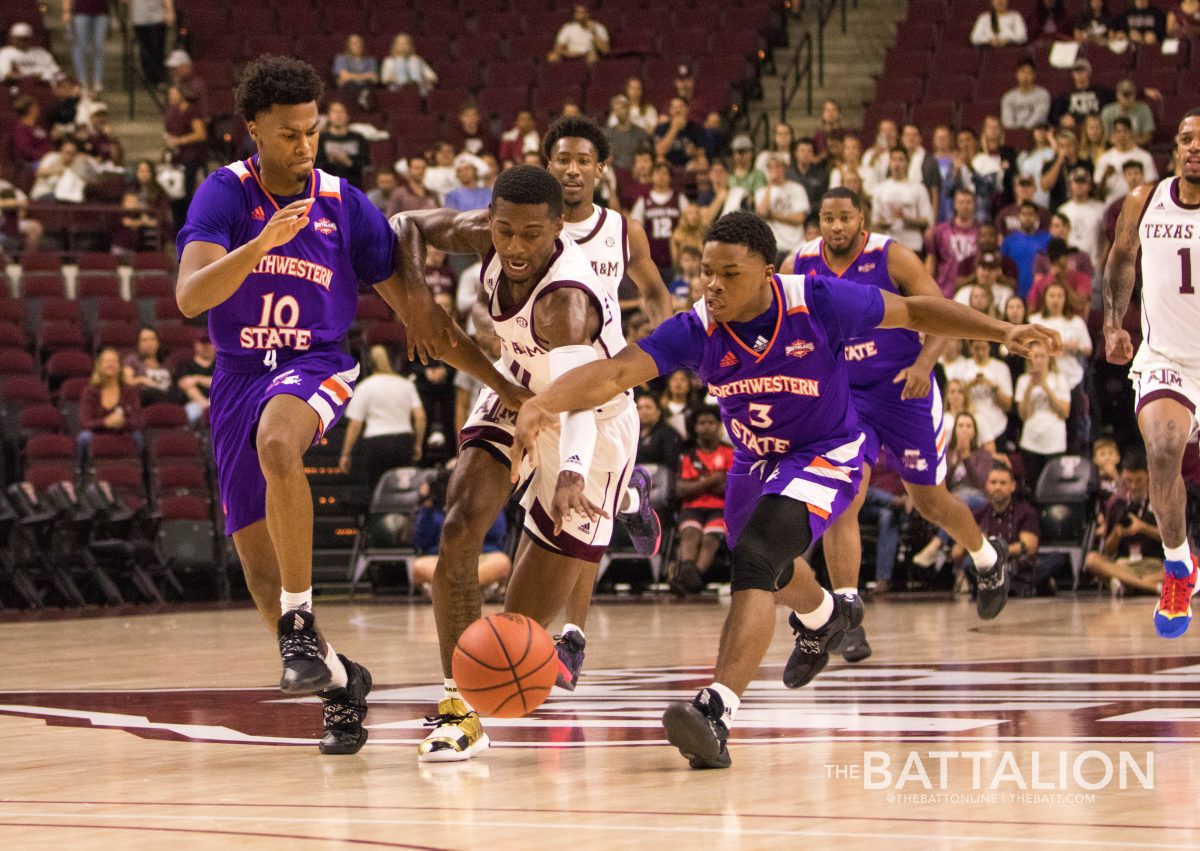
(187, 141)
(1014, 521)
(470, 134)
(411, 193)
(179, 67)
(108, 405)
(30, 141)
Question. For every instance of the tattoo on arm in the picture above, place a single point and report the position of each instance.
(1121, 270)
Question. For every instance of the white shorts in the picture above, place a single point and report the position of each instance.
(1156, 376)
(490, 427)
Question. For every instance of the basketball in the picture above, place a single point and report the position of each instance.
(505, 665)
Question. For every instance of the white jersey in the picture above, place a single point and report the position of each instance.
(1170, 268)
(604, 238)
(523, 353)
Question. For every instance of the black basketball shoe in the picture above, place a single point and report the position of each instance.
(854, 646)
(687, 581)
(344, 710)
(811, 654)
(569, 647)
(992, 584)
(304, 669)
(698, 730)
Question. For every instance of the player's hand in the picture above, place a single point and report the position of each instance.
(285, 224)
(916, 383)
(532, 418)
(1118, 348)
(1020, 337)
(429, 330)
(515, 396)
(569, 501)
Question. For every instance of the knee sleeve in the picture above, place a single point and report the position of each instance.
(774, 536)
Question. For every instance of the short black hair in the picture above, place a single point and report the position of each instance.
(743, 228)
(1133, 460)
(1025, 204)
(844, 193)
(1133, 164)
(1123, 121)
(1000, 466)
(580, 127)
(1025, 62)
(1056, 249)
(270, 80)
(1191, 113)
(528, 184)
(707, 411)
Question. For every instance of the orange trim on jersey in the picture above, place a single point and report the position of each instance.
(866, 237)
(774, 334)
(941, 442)
(335, 387)
(312, 178)
(244, 176)
(800, 308)
(820, 512)
(818, 461)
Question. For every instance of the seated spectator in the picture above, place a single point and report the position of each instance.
(1111, 165)
(1044, 403)
(139, 230)
(1008, 219)
(385, 405)
(385, 187)
(143, 369)
(150, 194)
(441, 176)
(187, 138)
(877, 159)
(642, 114)
(676, 134)
(886, 505)
(470, 134)
(98, 138)
(1012, 520)
(999, 26)
(1086, 215)
(1183, 21)
(939, 174)
(901, 207)
(950, 244)
(987, 241)
(581, 38)
(1093, 140)
(658, 443)
(412, 193)
(522, 137)
(1050, 21)
(108, 405)
(1143, 23)
(30, 141)
(341, 151)
(782, 139)
(1133, 175)
(677, 402)
(782, 204)
(63, 175)
(1084, 98)
(635, 184)
(63, 114)
(21, 59)
(850, 162)
(831, 120)
(625, 137)
(1136, 112)
(181, 73)
(955, 400)
(980, 171)
(1027, 105)
(1077, 261)
(689, 233)
(403, 67)
(494, 563)
(469, 195)
(744, 175)
(1094, 25)
(194, 376)
(659, 211)
(701, 488)
(812, 173)
(353, 69)
(988, 382)
(1023, 246)
(1106, 456)
(18, 232)
(687, 281)
(988, 279)
(1130, 556)
(1030, 164)
(1078, 286)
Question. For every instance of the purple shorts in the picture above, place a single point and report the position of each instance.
(911, 429)
(825, 477)
(325, 380)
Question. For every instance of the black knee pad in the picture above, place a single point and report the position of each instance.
(774, 536)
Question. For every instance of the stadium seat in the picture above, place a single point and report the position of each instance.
(175, 444)
(1065, 495)
(69, 363)
(115, 447)
(386, 531)
(148, 263)
(125, 480)
(97, 285)
(187, 533)
(163, 416)
(180, 479)
(120, 335)
(50, 447)
(41, 419)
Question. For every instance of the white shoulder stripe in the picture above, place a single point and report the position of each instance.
(330, 184)
(793, 291)
(701, 310)
(238, 168)
(875, 241)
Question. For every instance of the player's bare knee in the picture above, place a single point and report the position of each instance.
(277, 454)
(463, 530)
(1164, 453)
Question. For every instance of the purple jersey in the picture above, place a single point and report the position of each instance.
(879, 355)
(302, 295)
(791, 392)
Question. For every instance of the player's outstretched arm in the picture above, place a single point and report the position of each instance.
(1120, 274)
(951, 319)
(655, 299)
(208, 274)
(910, 274)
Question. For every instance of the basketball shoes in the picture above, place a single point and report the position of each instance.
(643, 525)
(569, 647)
(854, 646)
(698, 730)
(457, 733)
(344, 710)
(1173, 614)
(811, 653)
(992, 584)
(304, 669)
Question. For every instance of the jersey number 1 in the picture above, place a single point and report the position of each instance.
(1185, 258)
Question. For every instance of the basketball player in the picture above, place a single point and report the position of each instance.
(274, 249)
(550, 313)
(1160, 223)
(897, 402)
(577, 153)
(770, 349)
(659, 211)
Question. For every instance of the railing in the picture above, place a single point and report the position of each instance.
(799, 73)
(132, 76)
(825, 11)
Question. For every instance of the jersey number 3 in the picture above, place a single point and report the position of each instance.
(760, 415)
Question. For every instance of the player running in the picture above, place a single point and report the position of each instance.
(898, 405)
(770, 349)
(1160, 224)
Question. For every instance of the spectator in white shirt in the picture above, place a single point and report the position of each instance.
(988, 381)
(901, 206)
(1027, 105)
(1086, 215)
(910, 138)
(403, 67)
(999, 26)
(877, 160)
(21, 58)
(1044, 402)
(582, 38)
(783, 204)
(388, 405)
(1110, 164)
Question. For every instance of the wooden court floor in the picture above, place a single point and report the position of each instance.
(1065, 723)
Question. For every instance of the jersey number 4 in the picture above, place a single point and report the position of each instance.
(1185, 273)
(284, 313)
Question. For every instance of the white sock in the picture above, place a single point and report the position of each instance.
(453, 692)
(336, 668)
(730, 700)
(819, 616)
(567, 627)
(633, 501)
(852, 591)
(290, 602)
(984, 557)
(1180, 553)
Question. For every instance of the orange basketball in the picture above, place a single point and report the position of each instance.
(505, 665)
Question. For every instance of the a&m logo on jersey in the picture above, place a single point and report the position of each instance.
(799, 348)
(324, 226)
(258, 215)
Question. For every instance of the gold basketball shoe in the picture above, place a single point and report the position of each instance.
(457, 733)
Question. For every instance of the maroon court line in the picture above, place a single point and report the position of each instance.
(548, 810)
(336, 840)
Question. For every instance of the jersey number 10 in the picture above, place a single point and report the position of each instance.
(284, 313)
